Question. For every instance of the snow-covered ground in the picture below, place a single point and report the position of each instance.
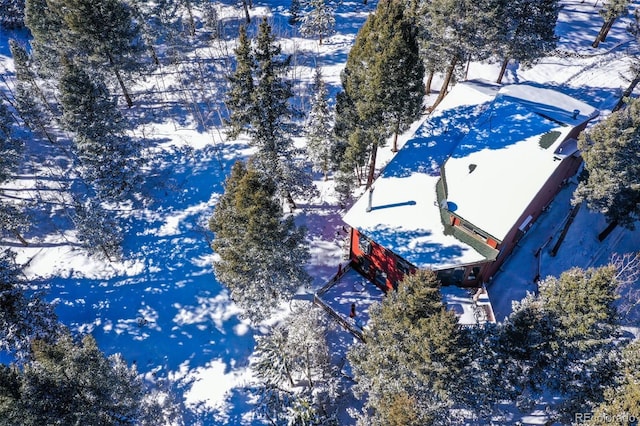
(162, 307)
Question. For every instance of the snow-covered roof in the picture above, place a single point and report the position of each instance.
(508, 155)
(499, 131)
(405, 216)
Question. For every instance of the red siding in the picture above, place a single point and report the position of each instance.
(379, 259)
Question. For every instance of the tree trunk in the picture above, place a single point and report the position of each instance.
(627, 92)
(427, 87)
(154, 55)
(602, 34)
(106, 252)
(503, 69)
(120, 81)
(20, 238)
(291, 202)
(308, 362)
(247, 17)
(192, 22)
(604, 234)
(396, 130)
(466, 68)
(372, 165)
(607, 28)
(289, 376)
(395, 142)
(445, 84)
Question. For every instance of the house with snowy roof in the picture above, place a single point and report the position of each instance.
(468, 185)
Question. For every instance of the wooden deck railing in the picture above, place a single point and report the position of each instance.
(329, 310)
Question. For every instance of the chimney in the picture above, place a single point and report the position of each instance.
(576, 113)
(370, 199)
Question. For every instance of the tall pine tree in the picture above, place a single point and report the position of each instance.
(12, 218)
(70, 382)
(459, 31)
(560, 341)
(260, 256)
(610, 151)
(101, 35)
(239, 97)
(382, 85)
(266, 115)
(410, 361)
(320, 140)
(621, 403)
(296, 380)
(24, 315)
(110, 159)
(611, 10)
(35, 110)
(528, 31)
(10, 146)
(319, 21)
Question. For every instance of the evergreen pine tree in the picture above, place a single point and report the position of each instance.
(260, 255)
(528, 31)
(294, 359)
(382, 83)
(561, 340)
(97, 231)
(483, 368)
(459, 31)
(24, 315)
(611, 10)
(75, 383)
(30, 101)
(108, 34)
(14, 221)
(411, 357)
(271, 125)
(10, 146)
(294, 12)
(612, 183)
(10, 410)
(101, 35)
(266, 114)
(12, 218)
(320, 141)
(110, 159)
(584, 302)
(242, 87)
(621, 403)
(350, 153)
(319, 21)
(11, 14)
(46, 28)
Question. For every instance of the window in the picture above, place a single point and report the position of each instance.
(403, 266)
(473, 273)
(364, 244)
(365, 264)
(473, 231)
(381, 278)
